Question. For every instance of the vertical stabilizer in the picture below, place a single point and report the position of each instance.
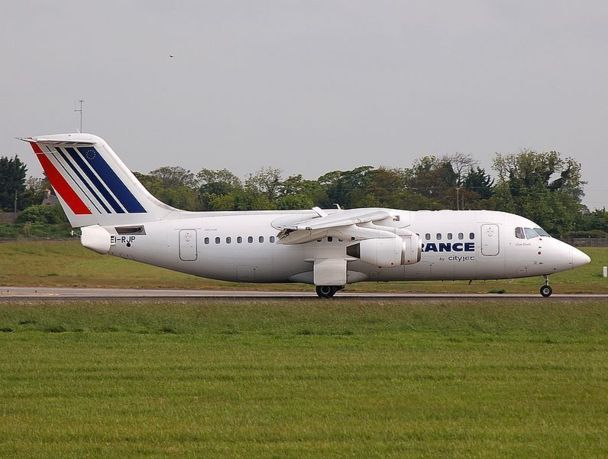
(93, 185)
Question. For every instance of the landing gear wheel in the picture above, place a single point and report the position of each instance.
(545, 290)
(327, 291)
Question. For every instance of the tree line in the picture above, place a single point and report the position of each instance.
(542, 186)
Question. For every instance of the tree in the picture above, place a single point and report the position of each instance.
(171, 176)
(35, 190)
(542, 187)
(169, 190)
(214, 184)
(296, 192)
(477, 189)
(435, 180)
(384, 188)
(461, 163)
(266, 181)
(12, 183)
(593, 223)
(346, 188)
(42, 214)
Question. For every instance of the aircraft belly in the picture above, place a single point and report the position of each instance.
(250, 263)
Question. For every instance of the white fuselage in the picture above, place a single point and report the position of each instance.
(243, 246)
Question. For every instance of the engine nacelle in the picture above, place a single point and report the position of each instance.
(388, 252)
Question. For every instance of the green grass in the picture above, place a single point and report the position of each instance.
(35, 230)
(304, 378)
(68, 264)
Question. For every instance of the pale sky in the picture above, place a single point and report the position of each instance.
(310, 86)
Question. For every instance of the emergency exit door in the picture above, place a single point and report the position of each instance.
(490, 240)
(187, 245)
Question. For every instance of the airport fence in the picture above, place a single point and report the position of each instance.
(587, 241)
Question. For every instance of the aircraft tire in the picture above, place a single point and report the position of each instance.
(327, 291)
(546, 291)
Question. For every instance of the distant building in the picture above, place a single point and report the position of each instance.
(50, 199)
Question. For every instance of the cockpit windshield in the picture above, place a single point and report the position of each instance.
(530, 233)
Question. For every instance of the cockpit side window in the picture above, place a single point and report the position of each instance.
(519, 233)
(541, 232)
(530, 233)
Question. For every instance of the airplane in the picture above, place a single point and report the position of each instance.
(328, 248)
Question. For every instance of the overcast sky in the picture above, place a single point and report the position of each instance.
(310, 86)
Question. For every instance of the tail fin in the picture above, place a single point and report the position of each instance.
(93, 185)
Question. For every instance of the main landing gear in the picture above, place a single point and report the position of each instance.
(546, 290)
(327, 291)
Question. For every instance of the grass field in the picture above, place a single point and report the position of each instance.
(304, 378)
(67, 263)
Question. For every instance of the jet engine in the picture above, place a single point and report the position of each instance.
(388, 252)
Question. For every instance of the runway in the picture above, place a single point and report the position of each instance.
(49, 293)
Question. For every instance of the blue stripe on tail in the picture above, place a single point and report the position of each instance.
(111, 179)
(69, 163)
(89, 173)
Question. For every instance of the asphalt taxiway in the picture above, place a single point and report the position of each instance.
(45, 293)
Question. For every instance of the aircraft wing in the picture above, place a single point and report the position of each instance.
(346, 224)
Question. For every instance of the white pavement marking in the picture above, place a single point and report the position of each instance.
(100, 293)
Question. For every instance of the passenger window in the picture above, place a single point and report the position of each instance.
(250, 239)
(460, 236)
(449, 235)
(530, 233)
(217, 240)
(329, 238)
(239, 239)
(272, 239)
(206, 240)
(439, 236)
(519, 233)
(427, 236)
(261, 239)
(228, 240)
(471, 236)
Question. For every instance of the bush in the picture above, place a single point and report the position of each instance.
(42, 214)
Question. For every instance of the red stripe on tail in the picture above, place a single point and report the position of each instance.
(35, 147)
(62, 187)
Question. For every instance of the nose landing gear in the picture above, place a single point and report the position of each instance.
(546, 290)
(327, 291)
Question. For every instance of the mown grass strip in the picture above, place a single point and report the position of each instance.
(304, 378)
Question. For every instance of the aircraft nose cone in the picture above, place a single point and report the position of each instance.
(579, 258)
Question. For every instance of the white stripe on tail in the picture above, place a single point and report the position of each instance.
(93, 185)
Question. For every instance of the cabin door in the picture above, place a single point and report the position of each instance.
(187, 245)
(490, 240)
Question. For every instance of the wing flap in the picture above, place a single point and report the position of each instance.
(342, 218)
(355, 224)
